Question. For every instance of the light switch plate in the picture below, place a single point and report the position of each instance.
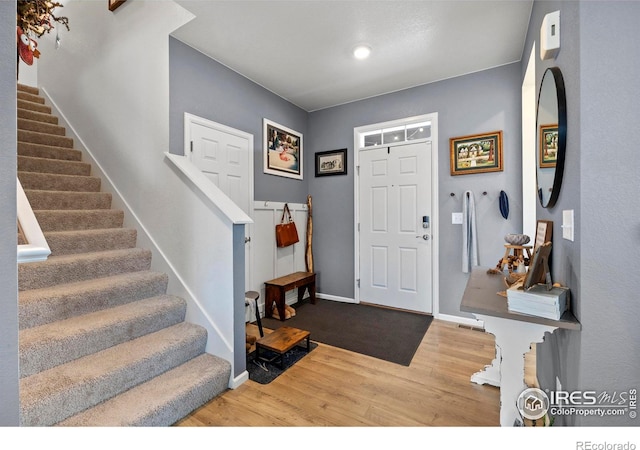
(456, 218)
(567, 224)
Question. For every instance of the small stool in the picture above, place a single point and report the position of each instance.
(517, 253)
(253, 295)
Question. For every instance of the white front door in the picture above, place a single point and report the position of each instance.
(225, 156)
(395, 248)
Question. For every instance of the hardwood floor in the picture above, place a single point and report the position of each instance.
(334, 387)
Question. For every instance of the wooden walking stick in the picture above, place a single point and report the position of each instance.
(309, 250)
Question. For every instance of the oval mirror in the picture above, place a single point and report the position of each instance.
(551, 124)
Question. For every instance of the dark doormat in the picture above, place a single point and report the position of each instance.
(383, 333)
(265, 372)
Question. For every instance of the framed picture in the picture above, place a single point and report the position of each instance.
(282, 151)
(333, 162)
(548, 145)
(544, 231)
(476, 153)
(539, 271)
(113, 4)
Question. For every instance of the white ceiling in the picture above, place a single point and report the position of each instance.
(301, 50)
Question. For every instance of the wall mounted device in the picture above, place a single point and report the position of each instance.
(550, 35)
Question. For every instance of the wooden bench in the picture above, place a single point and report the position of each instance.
(275, 290)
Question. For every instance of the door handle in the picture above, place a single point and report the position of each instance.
(424, 236)
(247, 239)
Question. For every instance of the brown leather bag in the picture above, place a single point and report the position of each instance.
(286, 232)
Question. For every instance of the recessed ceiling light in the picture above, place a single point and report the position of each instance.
(362, 52)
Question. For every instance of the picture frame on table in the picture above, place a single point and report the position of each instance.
(282, 150)
(476, 153)
(332, 162)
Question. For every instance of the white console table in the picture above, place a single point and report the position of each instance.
(514, 335)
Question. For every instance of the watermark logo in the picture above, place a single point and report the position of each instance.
(534, 403)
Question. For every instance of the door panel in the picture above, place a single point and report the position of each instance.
(224, 156)
(395, 258)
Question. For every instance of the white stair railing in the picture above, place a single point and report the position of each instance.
(36, 248)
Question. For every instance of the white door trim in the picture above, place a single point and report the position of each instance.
(193, 119)
(434, 227)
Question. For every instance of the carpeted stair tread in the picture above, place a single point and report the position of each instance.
(48, 151)
(30, 97)
(87, 241)
(53, 344)
(41, 306)
(68, 199)
(84, 219)
(33, 106)
(48, 165)
(35, 137)
(26, 88)
(40, 127)
(49, 397)
(58, 182)
(37, 116)
(163, 400)
(85, 266)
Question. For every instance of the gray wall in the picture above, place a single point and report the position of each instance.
(206, 88)
(9, 402)
(476, 103)
(601, 70)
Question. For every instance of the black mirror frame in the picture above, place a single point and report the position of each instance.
(562, 135)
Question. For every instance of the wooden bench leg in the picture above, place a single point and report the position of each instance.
(274, 294)
(311, 287)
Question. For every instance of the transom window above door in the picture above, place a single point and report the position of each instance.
(395, 135)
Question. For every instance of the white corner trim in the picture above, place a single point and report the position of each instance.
(461, 320)
(236, 382)
(218, 198)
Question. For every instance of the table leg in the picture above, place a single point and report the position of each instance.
(280, 303)
(513, 339)
(270, 293)
(312, 291)
(259, 320)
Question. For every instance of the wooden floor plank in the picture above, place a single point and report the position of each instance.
(335, 387)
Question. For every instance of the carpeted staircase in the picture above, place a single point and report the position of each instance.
(101, 342)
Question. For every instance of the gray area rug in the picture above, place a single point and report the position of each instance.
(382, 333)
(265, 372)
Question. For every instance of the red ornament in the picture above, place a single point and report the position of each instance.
(27, 47)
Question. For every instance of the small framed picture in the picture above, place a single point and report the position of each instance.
(282, 151)
(113, 4)
(548, 145)
(332, 162)
(476, 153)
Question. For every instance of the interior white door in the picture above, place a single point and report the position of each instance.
(395, 248)
(224, 155)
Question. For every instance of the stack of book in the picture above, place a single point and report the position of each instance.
(539, 301)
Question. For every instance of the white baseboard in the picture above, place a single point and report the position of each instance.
(461, 320)
(335, 298)
(236, 382)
